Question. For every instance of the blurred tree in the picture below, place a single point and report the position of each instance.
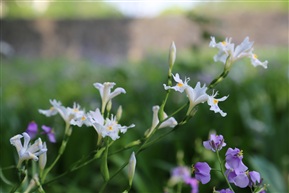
(58, 10)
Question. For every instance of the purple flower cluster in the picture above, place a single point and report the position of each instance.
(32, 130)
(183, 174)
(237, 172)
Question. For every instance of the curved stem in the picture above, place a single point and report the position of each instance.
(223, 172)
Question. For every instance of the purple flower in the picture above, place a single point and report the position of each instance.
(215, 143)
(32, 129)
(181, 173)
(241, 180)
(225, 191)
(202, 172)
(234, 161)
(194, 183)
(254, 178)
(49, 132)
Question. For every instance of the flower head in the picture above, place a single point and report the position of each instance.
(67, 113)
(234, 161)
(180, 86)
(105, 92)
(32, 129)
(27, 151)
(213, 102)
(49, 132)
(196, 95)
(106, 127)
(227, 50)
(202, 172)
(215, 143)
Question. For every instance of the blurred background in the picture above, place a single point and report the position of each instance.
(57, 50)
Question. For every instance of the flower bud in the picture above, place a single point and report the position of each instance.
(131, 168)
(119, 113)
(172, 55)
(108, 106)
(43, 158)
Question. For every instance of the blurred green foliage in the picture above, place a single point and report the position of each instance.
(257, 120)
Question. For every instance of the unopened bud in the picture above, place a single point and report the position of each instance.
(43, 158)
(172, 55)
(131, 168)
(108, 106)
(119, 113)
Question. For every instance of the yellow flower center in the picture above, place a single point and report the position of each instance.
(75, 110)
(83, 118)
(240, 153)
(255, 56)
(180, 84)
(110, 128)
(224, 43)
(215, 101)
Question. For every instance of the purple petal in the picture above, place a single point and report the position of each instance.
(32, 129)
(241, 180)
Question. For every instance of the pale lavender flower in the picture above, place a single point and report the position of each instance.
(256, 62)
(194, 183)
(202, 172)
(215, 143)
(254, 178)
(234, 161)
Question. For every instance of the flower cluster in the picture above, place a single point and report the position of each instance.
(197, 94)
(227, 51)
(236, 171)
(32, 131)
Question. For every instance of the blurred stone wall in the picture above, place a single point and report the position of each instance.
(108, 41)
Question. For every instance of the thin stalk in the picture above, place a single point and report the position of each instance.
(60, 152)
(223, 172)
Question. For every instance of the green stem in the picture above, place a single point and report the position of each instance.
(223, 172)
(77, 165)
(225, 72)
(60, 152)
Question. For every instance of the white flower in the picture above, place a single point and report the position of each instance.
(256, 62)
(180, 86)
(213, 102)
(196, 95)
(105, 92)
(106, 127)
(27, 151)
(69, 115)
(226, 49)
